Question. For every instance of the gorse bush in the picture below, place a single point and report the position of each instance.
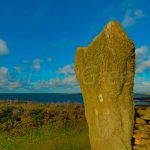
(6, 114)
(26, 115)
(43, 126)
(37, 116)
(8, 117)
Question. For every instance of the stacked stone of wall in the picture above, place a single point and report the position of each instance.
(141, 136)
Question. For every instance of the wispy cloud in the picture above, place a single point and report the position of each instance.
(66, 83)
(13, 85)
(143, 66)
(131, 17)
(18, 68)
(141, 87)
(66, 70)
(142, 50)
(142, 83)
(142, 59)
(37, 64)
(5, 83)
(3, 48)
(3, 74)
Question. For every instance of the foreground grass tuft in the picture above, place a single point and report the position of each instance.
(43, 127)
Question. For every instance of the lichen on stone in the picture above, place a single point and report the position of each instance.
(105, 71)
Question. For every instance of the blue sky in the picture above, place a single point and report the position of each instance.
(38, 40)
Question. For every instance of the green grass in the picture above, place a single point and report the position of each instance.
(47, 138)
(43, 127)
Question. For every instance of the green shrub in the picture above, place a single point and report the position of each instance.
(7, 118)
(37, 116)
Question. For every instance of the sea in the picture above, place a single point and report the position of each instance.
(140, 99)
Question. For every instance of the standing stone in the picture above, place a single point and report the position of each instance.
(105, 71)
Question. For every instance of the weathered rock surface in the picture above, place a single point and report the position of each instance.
(140, 121)
(142, 129)
(105, 70)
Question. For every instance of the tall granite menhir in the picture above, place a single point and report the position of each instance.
(105, 71)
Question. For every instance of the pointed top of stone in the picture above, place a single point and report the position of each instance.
(113, 25)
(113, 35)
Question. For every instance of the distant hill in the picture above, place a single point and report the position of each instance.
(142, 95)
(136, 95)
(55, 97)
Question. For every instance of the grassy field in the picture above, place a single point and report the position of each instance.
(28, 126)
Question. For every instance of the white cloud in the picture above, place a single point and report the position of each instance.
(57, 84)
(67, 81)
(13, 85)
(142, 59)
(142, 50)
(142, 87)
(18, 68)
(37, 64)
(143, 66)
(3, 48)
(3, 75)
(41, 85)
(140, 78)
(3, 71)
(131, 17)
(147, 84)
(70, 80)
(139, 13)
(4, 81)
(66, 70)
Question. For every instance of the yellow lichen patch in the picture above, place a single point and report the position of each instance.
(96, 112)
(100, 97)
(103, 73)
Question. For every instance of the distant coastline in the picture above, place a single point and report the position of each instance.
(140, 99)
